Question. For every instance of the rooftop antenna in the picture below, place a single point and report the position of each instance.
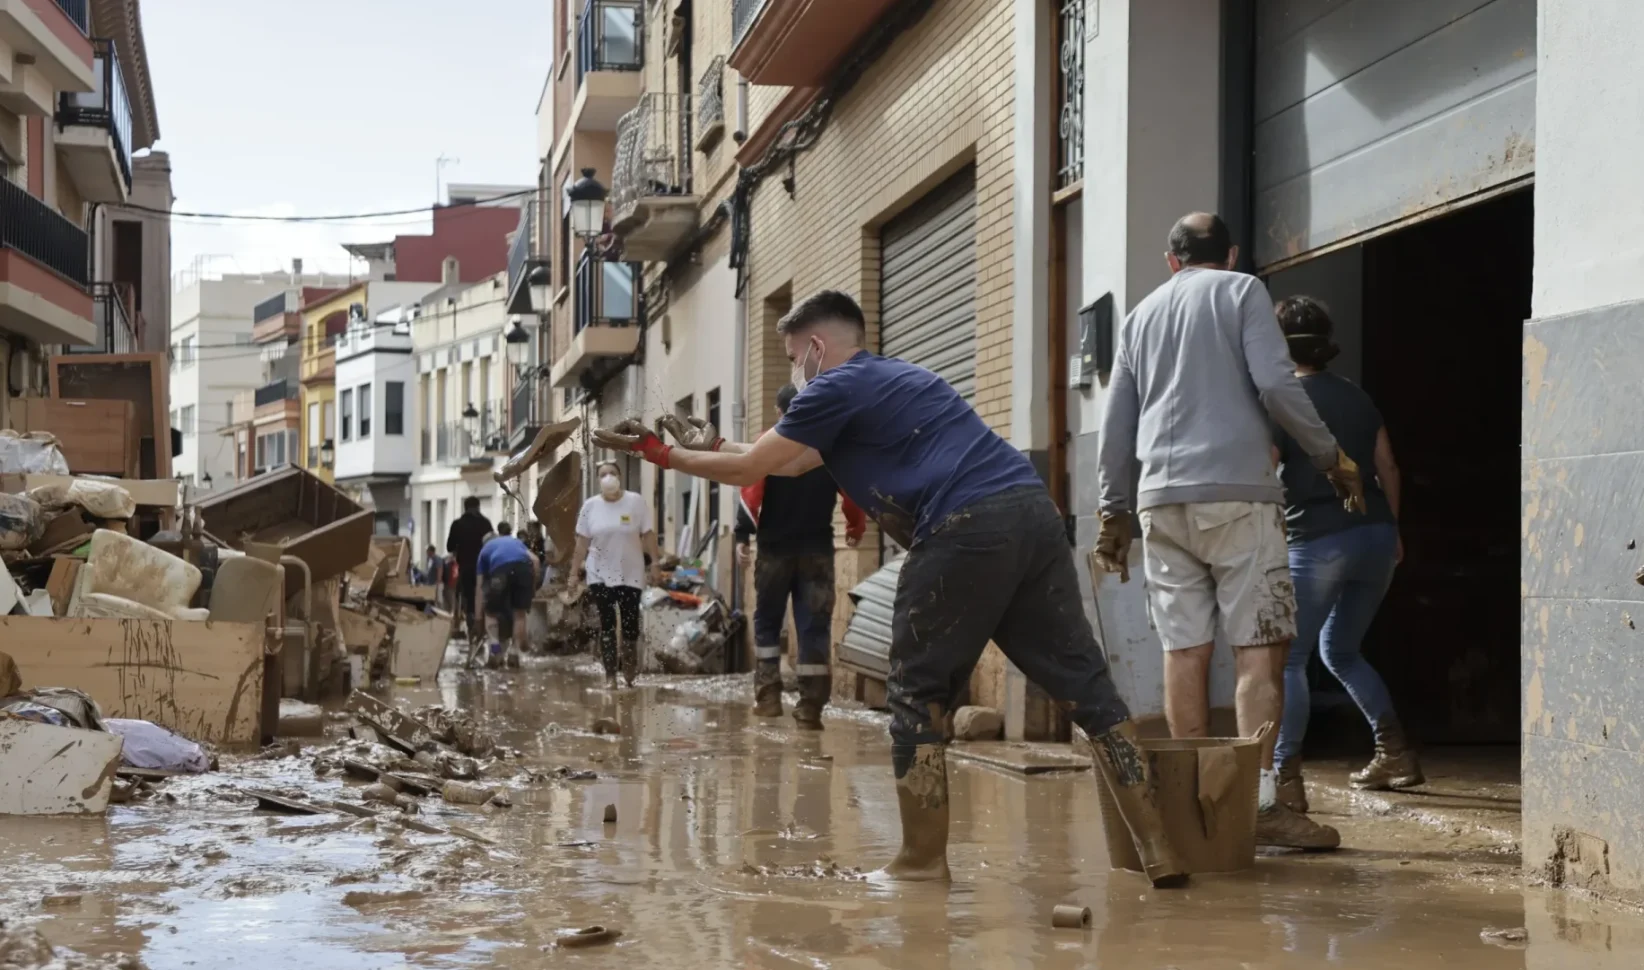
(439, 166)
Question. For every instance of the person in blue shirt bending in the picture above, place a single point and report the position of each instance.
(988, 559)
(506, 571)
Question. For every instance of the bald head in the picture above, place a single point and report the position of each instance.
(1201, 239)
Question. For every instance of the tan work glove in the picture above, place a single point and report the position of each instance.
(1113, 546)
(692, 434)
(623, 436)
(1348, 482)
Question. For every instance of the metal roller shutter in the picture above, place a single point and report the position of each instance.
(866, 646)
(1370, 112)
(928, 283)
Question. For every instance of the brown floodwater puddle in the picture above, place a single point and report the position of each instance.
(740, 843)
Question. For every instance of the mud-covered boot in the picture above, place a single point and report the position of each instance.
(1292, 792)
(1394, 766)
(922, 797)
(813, 697)
(1284, 828)
(768, 689)
(1128, 773)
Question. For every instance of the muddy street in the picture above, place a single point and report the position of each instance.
(741, 843)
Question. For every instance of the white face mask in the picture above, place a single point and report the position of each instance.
(609, 485)
(799, 378)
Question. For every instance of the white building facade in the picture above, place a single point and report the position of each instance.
(375, 433)
(463, 384)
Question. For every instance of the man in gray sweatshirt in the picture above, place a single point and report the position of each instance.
(1201, 368)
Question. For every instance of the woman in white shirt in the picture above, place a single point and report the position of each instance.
(614, 535)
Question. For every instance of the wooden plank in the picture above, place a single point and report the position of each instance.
(202, 680)
(97, 437)
(163, 493)
(51, 770)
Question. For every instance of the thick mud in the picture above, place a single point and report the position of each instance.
(742, 843)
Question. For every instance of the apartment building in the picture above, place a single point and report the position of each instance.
(472, 226)
(375, 449)
(216, 358)
(325, 321)
(267, 421)
(464, 400)
(75, 105)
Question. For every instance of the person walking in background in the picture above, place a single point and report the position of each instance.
(1201, 369)
(507, 573)
(463, 542)
(793, 520)
(614, 536)
(1341, 563)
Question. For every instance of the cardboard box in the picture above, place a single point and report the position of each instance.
(97, 437)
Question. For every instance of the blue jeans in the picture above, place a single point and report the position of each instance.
(1340, 581)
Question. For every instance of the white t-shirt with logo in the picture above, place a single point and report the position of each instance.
(615, 555)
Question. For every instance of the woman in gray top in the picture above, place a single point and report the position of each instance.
(1341, 563)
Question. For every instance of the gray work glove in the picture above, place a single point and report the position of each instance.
(692, 434)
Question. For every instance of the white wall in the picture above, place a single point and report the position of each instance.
(1152, 154)
(381, 453)
(1588, 142)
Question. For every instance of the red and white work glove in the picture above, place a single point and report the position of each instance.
(692, 434)
(633, 437)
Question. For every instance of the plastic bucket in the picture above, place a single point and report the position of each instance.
(1207, 794)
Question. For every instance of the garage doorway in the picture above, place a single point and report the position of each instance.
(1430, 319)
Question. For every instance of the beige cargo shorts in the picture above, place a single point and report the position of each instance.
(1218, 558)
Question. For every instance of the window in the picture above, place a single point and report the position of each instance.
(366, 404)
(328, 422)
(713, 487)
(347, 425)
(189, 347)
(393, 404)
(262, 453)
(564, 230)
(228, 415)
(187, 419)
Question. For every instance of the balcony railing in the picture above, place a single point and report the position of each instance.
(743, 14)
(611, 36)
(522, 410)
(119, 325)
(78, 11)
(519, 261)
(467, 441)
(107, 107)
(280, 390)
(607, 293)
(36, 230)
(710, 104)
(274, 306)
(653, 155)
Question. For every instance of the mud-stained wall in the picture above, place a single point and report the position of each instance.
(1583, 475)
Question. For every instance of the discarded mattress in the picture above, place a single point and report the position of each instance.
(148, 745)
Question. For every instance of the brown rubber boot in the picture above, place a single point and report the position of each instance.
(1126, 769)
(1394, 766)
(922, 797)
(1283, 828)
(813, 697)
(768, 690)
(1292, 792)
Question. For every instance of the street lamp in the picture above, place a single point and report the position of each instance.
(542, 290)
(205, 480)
(328, 453)
(587, 207)
(519, 344)
(470, 426)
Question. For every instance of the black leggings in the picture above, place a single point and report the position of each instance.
(615, 601)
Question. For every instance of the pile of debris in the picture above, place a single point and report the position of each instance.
(390, 626)
(685, 625)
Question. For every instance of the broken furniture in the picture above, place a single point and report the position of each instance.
(96, 437)
(300, 513)
(51, 770)
(127, 578)
(201, 680)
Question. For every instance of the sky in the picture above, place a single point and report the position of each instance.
(320, 107)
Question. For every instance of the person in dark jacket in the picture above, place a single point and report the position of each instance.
(464, 541)
(792, 519)
(1341, 563)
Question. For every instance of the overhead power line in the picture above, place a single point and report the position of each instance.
(346, 217)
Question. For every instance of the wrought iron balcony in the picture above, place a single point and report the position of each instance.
(654, 210)
(78, 11)
(610, 37)
(274, 391)
(119, 325)
(108, 108)
(743, 14)
(275, 305)
(520, 263)
(710, 105)
(607, 293)
(34, 229)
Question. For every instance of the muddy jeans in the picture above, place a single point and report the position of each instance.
(1000, 569)
(808, 579)
(615, 602)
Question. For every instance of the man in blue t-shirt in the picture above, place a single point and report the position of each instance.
(988, 559)
(506, 570)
